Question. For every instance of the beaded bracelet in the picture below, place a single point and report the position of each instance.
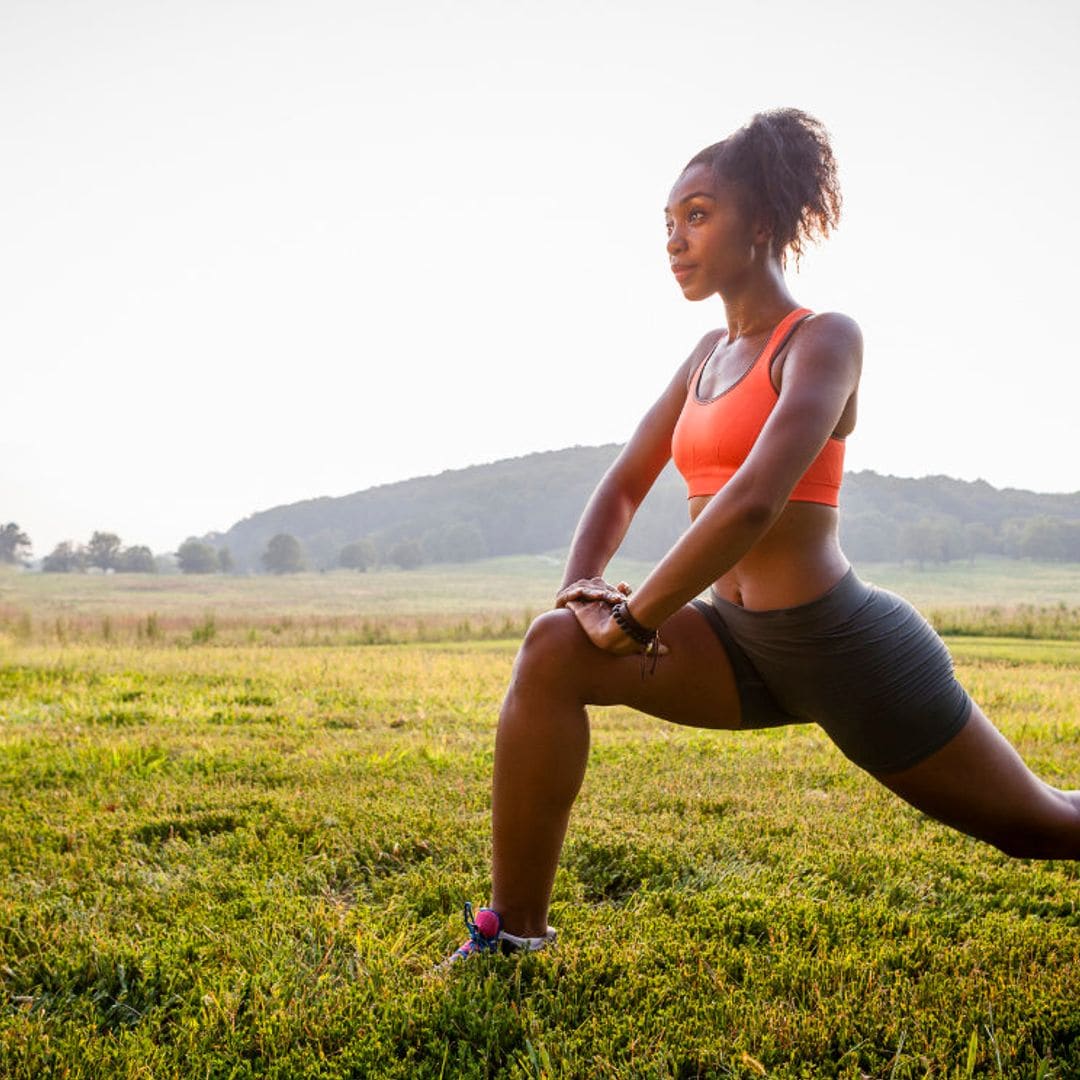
(631, 627)
(648, 639)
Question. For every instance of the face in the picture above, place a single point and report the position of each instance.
(711, 240)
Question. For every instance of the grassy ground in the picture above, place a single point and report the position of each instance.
(504, 584)
(232, 861)
(494, 598)
(985, 581)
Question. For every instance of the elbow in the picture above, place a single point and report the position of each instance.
(758, 514)
(756, 510)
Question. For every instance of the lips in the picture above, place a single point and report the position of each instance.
(681, 271)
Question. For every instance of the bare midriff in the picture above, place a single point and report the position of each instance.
(796, 561)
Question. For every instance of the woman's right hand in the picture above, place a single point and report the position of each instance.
(590, 590)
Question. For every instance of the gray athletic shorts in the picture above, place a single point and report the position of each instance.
(859, 661)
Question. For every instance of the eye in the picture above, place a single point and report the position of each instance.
(668, 226)
(695, 215)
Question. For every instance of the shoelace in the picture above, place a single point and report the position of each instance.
(477, 938)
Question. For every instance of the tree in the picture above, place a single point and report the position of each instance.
(283, 555)
(461, 541)
(136, 560)
(358, 555)
(464, 541)
(195, 557)
(14, 543)
(1047, 538)
(225, 560)
(981, 539)
(938, 540)
(408, 554)
(63, 559)
(920, 543)
(103, 550)
(869, 536)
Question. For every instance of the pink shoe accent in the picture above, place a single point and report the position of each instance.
(488, 922)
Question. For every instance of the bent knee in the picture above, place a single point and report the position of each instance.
(554, 635)
(553, 645)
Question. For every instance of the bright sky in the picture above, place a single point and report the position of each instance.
(253, 251)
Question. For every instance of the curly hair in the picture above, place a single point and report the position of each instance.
(785, 167)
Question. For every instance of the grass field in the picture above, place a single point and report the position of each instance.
(493, 598)
(233, 860)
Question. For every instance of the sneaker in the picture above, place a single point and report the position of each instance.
(486, 935)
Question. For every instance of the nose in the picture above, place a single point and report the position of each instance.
(675, 242)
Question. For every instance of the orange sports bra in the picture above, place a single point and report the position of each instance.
(712, 438)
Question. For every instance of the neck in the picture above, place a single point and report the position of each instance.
(759, 303)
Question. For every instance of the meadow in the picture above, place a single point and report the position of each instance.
(488, 599)
(237, 856)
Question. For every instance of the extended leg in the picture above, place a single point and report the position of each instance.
(979, 784)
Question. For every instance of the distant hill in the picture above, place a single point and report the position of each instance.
(531, 504)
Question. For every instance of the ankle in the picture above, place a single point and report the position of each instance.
(521, 921)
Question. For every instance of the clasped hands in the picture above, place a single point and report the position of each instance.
(591, 601)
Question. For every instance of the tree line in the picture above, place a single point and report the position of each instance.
(873, 537)
(285, 554)
(531, 504)
(868, 537)
(106, 552)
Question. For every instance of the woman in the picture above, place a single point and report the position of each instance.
(755, 419)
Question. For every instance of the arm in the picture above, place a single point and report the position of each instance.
(612, 506)
(820, 374)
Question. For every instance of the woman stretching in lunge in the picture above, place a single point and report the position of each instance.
(756, 420)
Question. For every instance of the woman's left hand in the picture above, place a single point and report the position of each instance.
(604, 632)
(594, 617)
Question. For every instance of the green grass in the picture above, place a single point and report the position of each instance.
(492, 599)
(504, 584)
(507, 584)
(986, 581)
(233, 861)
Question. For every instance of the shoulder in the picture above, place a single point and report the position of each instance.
(828, 339)
(825, 353)
(831, 330)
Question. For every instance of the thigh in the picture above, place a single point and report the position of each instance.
(692, 683)
(979, 784)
